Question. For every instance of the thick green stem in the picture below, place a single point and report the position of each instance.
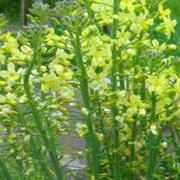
(38, 119)
(152, 138)
(117, 173)
(91, 145)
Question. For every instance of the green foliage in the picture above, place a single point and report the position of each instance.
(11, 9)
(50, 2)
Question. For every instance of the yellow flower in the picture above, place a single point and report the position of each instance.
(10, 75)
(140, 22)
(153, 129)
(63, 73)
(127, 4)
(122, 99)
(97, 4)
(157, 84)
(66, 93)
(54, 40)
(100, 136)
(85, 111)
(134, 104)
(163, 100)
(125, 132)
(26, 50)
(163, 13)
(18, 57)
(81, 129)
(98, 80)
(61, 57)
(11, 98)
(123, 36)
(99, 53)
(50, 82)
(167, 26)
(157, 46)
(93, 43)
(10, 45)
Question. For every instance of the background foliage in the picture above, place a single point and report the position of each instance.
(11, 9)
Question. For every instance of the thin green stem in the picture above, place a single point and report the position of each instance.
(121, 77)
(143, 90)
(33, 143)
(117, 173)
(38, 119)
(43, 97)
(156, 144)
(134, 124)
(88, 8)
(106, 144)
(91, 142)
(151, 144)
(174, 141)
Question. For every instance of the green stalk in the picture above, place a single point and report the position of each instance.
(117, 173)
(43, 97)
(143, 90)
(121, 77)
(41, 158)
(174, 141)
(151, 156)
(88, 8)
(38, 119)
(156, 144)
(134, 124)
(106, 144)
(91, 145)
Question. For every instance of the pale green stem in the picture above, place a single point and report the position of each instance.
(152, 138)
(40, 157)
(86, 100)
(174, 141)
(38, 119)
(43, 97)
(117, 167)
(121, 77)
(106, 143)
(134, 124)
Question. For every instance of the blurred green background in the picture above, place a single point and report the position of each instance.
(11, 9)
